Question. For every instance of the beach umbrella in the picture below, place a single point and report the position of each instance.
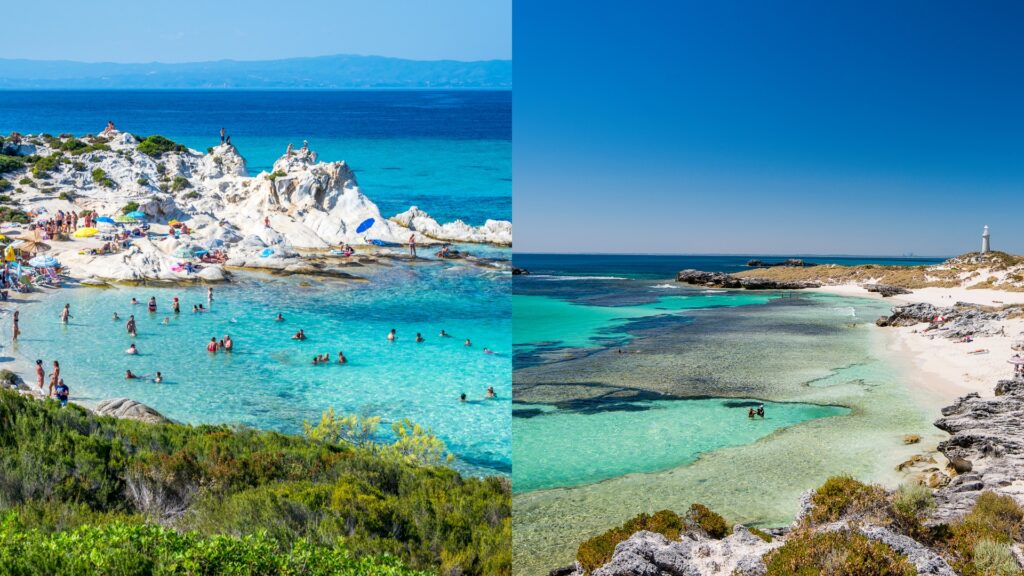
(184, 252)
(136, 214)
(105, 220)
(43, 261)
(32, 246)
(201, 251)
(366, 225)
(214, 243)
(1017, 360)
(85, 232)
(123, 218)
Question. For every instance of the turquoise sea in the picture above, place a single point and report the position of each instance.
(269, 380)
(631, 393)
(449, 152)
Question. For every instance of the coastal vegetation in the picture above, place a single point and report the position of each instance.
(10, 163)
(830, 537)
(155, 146)
(190, 495)
(100, 177)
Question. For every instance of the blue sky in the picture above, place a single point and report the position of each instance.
(768, 127)
(194, 30)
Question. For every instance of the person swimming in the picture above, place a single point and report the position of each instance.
(488, 351)
(212, 346)
(130, 326)
(468, 343)
(152, 304)
(132, 349)
(167, 320)
(158, 378)
(750, 413)
(279, 318)
(134, 301)
(760, 410)
(129, 376)
(195, 308)
(490, 391)
(419, 337)
(444, 334)
(341, 358)
(316, 360)
(300, 335)
(462, 397)
(65, 314)
(176, 305)
(391, 335)
(115, 317)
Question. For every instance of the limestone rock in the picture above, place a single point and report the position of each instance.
(129, 409)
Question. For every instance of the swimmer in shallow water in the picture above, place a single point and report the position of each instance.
(462, 397)
(341, 358)
(152, 304)
(65, 314)
(419, 337)
(468, 343)
(444, 334)
(134, 301)
(167, 320)
(490, 391)
(229, 344)
(132, 349)
(279, 318)
(158, 378)
(129, 376)
(212, 346)
(115, 317)
(391, 335)
(300, 335)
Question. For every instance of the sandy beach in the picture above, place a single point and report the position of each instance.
(943, 368)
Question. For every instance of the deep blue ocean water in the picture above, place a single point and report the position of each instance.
(447, 151)
(666, 266)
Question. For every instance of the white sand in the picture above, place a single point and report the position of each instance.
(939, 368)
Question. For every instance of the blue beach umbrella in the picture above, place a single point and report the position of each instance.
(366, 225)
(105, 220)
(44, 261)
(136, 214)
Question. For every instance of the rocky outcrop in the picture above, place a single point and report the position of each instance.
(649, 553)
(886, 290)
(492, 232)
(129, 409)
(789, 262)
(957, 321)
(520, 272)
(986, 444)
(723, 280)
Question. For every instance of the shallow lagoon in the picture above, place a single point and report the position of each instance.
(269, 381)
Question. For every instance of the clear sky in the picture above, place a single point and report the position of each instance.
(842, 127)
(196, 30)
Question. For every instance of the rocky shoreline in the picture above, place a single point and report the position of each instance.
(723, 280)
(984, 454)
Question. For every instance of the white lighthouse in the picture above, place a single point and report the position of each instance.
(984, 241)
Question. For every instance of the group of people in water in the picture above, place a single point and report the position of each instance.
(759, 412)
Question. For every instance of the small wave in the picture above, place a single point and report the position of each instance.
(665, 286)
(556, 278)
(714, 291)
(846, 311)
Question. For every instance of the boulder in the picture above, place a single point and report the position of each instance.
(886, 290)
(127, 408)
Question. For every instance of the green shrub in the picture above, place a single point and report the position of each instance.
(131, 549)
(73, 145)
(46, 164)
(101, 178)
(142, 181)
(191, 195)
(710, 522)
(995, 559)
(10, 163)
(913, 500)
(78, 166)
(155, 146)
(760, 534)
(26, 181)
(597, 551)
(129, 207)
(65, 195)
(276, 174)
(842, 495)
(10, 214)
(4, 198)
(180, 183)
(994, 518)
(5, 185)
(85, 471)
(839, 553)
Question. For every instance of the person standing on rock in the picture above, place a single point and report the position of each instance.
(412, 245)
(221, 135)
(289, 151)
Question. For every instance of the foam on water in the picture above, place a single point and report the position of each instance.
(269, 381)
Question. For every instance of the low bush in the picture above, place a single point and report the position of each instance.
(761, 534)
(155, 146)
(913, 500)
(10, 164)
(180, 183)
(26, 181)
(46, 164)
(994, 518)
(5, 185)
(11, 214)
(276, 174)
(842, 495)
(597, 551)
(995, 559)
(710, 522)
(836, 553)
(101, 178)
(129, 207)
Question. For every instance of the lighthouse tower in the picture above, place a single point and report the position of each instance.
(984, 241)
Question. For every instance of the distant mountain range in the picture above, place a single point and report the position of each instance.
(339, 71)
